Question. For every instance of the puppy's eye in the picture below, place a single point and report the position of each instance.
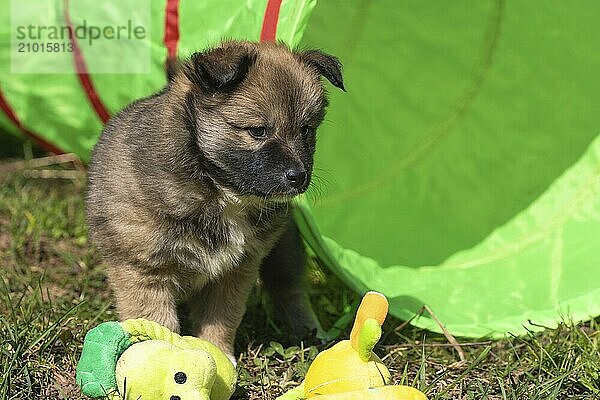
(307, 130)
(259, 132)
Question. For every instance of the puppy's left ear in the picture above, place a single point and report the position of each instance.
(327, 65)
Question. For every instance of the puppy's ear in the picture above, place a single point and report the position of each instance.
(220, 69)
(327, 65)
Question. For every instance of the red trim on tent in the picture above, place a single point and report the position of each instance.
(171, 37)
(269, 27)
(13, 117)
(82, 72)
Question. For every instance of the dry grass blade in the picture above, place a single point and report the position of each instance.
(30, 168)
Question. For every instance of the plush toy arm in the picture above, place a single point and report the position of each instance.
(297, 393)
(141, 329)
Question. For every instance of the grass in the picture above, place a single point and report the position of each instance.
(53, 290)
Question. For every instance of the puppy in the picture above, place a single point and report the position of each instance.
(189, 189)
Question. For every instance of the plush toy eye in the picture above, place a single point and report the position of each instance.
(175, 398)
(180, 378)
(258, 132)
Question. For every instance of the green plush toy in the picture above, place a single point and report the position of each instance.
(139, 359)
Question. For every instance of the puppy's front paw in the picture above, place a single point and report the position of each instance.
(300, 317)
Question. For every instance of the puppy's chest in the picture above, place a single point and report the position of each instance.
(218, 242)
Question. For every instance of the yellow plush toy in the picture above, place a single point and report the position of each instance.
(350, 370)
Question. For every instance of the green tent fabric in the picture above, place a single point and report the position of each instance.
(540, 267)
(462, 168)
(461, 165)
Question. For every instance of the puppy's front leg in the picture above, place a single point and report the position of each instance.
(283, 274)
(217, 309)
(144, 294)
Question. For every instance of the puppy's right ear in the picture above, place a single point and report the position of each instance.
(220, 69)
(326, 64)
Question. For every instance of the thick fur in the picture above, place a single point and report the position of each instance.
(186, 197)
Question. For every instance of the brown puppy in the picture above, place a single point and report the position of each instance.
(189, 188)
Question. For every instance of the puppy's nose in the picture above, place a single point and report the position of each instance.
(296, 177)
